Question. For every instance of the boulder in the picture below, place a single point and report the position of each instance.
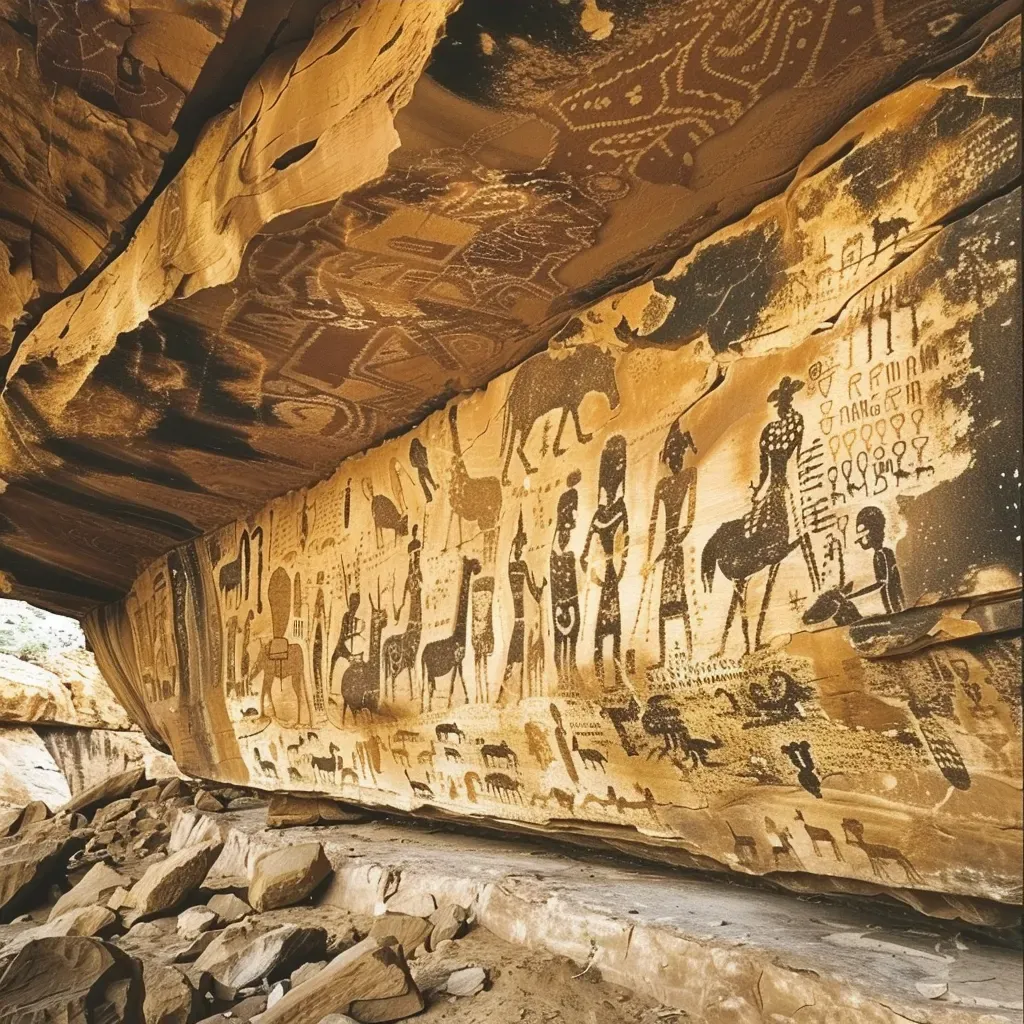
(191, 828)
(112, 788)
(335, 921)
(466, 981)
(245, 1010)
(370, 982)
(228, 907)
(149, 795)
(33, 812)
(27, 863)
(109, 813)
(286, 810)
(245, 803)
(449, 922)
(306, 972)
(246, 952)
(408, 931)
(206, 801)
(10, 818)
(71, 979)
(173, 788)
(96, 886)
(80, 921)
(166, 884)
(277, 993)
(415, 904)
(195, 920)
(168, 996)
(286, 876)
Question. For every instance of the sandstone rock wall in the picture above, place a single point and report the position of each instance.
(61, 728)
(369, 207)
(731, 571)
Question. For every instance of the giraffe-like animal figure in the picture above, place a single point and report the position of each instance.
(444, 657)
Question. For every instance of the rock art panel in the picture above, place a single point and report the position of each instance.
(731, 570)
(289, 297)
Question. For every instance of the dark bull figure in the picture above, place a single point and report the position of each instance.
(544, 384)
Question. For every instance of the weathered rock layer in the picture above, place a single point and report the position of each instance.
(369, 207)
(731, 571)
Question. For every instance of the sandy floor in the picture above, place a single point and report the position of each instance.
(527, 987)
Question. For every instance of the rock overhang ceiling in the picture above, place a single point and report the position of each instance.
(228, 272)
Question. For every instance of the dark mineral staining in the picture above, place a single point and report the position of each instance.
(724, 289)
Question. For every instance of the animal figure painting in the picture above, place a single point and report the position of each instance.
(737, 587)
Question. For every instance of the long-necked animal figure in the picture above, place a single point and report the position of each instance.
(233, 577)
(548, 383)
(444, 657)
(360, 682)
(473, 499)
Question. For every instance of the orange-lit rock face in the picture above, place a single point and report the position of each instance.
(402, 201)
(730, 570)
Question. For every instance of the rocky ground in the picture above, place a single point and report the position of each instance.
(113, 912)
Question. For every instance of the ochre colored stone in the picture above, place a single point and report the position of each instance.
(286, 876)
(166, 884)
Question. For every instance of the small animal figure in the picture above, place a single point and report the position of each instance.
(780, 840)
(266, 767)
(451, 754)
(819, 835)
(443, 657)
(503, 787)
(560, 796)
(419, 788)
(881, 230)
(589, 757)
(878, 856)
(446, 730)
(327, 765)
(494, 752)
(544, 384)
(834, 604)
(745, 847)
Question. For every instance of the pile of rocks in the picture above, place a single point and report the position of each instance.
(116, 909)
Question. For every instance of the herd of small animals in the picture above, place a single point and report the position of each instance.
(740, 549)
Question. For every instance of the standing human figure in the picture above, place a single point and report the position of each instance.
(565, 598)
(319, 645)
(610, 523)
(413, 577)
(351, 629)
(420, 461)
(672, 492)
(519, 577)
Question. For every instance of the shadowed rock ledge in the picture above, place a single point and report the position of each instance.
(729, 572)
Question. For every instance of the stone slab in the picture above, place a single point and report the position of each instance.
(718, 950)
